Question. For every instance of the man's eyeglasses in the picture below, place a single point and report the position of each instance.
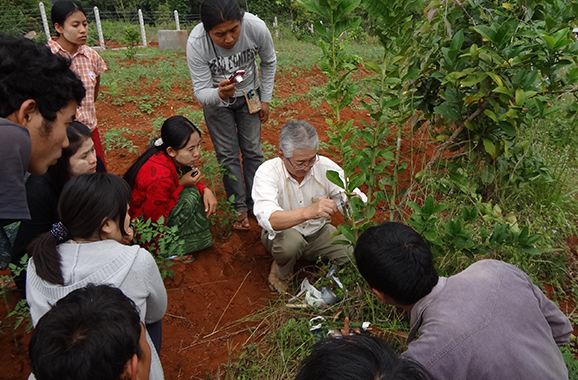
(301, 165)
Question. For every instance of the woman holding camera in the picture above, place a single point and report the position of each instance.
(221, 53)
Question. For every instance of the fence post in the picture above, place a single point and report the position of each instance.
(44, 21)
(142, 28)
(99, 28)
(276, 26)
(177, 19)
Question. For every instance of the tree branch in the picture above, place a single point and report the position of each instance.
(442, 148)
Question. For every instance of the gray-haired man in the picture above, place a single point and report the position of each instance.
(294, 203)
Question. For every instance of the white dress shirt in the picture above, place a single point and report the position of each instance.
(275, 190)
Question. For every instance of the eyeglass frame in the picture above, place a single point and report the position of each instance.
(309, 164)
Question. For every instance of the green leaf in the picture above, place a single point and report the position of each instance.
(496, 78)
(489, 147)
(439, 208)
(366, 136)
(356, 181)
(487, 32)
(474, 78)
(428, 205)
(446, 110)
(457, 41)
(491, 115)
(334, 178)
(503, 90)
(508, 128)
(487, 175)
(311, 6)
(346, 25)
(373, 66)
(414, 206)
(392, 102)
(348, 233)
(345, 7)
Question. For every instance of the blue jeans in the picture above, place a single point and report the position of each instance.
(233, 129)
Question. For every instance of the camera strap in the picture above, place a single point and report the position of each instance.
(252, 97)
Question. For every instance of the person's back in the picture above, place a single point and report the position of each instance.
(489, 322)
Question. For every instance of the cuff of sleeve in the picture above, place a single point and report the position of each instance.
(201, 187)
(263, 220)
(361, 195)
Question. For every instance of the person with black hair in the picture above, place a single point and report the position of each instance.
(93, 333)
(69, 21)
(164, 184)
(38, 99)
(357, 357)
(226, 42)
(43, 192)
(86, 246)
(488, 322)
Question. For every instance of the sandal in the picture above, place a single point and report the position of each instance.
(242, 222)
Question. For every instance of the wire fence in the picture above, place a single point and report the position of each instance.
(28, 20)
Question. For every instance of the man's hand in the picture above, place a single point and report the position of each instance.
(323, 208)
(210, 201)
(187, 180)
(227, 89)
(264, 113)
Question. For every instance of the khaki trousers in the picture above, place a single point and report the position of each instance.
(289, 246)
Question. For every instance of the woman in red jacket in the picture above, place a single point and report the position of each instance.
(163, 184)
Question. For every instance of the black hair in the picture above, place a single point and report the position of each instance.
(176, 133)
(394, 259)
(358, 357)
(87, 202)
(90, 334)
(215, 12)
(31, 71)
(59, 173)
(62, 9)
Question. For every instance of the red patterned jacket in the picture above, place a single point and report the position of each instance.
(156, 188)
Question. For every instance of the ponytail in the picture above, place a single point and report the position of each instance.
(47, 260)
(131, 173)
(86, 202)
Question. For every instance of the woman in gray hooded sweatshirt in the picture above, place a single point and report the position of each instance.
(226, 42)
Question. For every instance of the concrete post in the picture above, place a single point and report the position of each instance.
(44, 20)
(177, 20)
(99, 28)
(142, 28)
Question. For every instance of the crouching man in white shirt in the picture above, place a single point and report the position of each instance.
(294, 203)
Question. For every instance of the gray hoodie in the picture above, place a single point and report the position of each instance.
(211, 64)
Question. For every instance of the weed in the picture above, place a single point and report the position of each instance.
(160, 240)
(131, 38)
(226, 214)
(157, 125)
(20, 313)
(269, 150)
(115, 139)
(197, 117)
